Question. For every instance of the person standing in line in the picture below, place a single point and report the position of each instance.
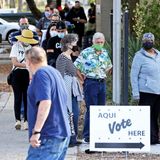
(51, 32)
(49, 129)
(66, 67)
(93, 64)
(77, 17)
(54, 44)
(92, 17)
(20, 79)
(145, 81)
(45, 21)
(24, 24)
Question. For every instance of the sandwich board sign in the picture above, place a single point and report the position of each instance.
(120, 128)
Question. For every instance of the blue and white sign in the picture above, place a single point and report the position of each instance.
(120, 128)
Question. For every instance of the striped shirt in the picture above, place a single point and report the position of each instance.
(65, 66)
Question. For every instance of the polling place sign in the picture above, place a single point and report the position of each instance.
(120, 128)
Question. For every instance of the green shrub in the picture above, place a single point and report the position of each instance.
(147, 19)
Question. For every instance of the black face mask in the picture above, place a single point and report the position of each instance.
(147, 45)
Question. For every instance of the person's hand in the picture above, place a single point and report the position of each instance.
(135, 100)
(34, 140)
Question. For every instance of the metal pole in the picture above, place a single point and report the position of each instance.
(125, 66)
(117, 51)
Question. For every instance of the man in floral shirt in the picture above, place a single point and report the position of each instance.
(93, 64)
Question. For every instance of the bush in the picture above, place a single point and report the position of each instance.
(147, 19)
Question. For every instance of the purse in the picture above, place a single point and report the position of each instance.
(10, 76)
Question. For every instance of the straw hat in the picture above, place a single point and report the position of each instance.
(26, 37)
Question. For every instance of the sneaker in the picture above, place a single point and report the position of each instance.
(25, 125)
(87, 151)
(18, 125)
(84, 141)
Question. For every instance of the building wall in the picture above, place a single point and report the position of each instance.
(103, 23)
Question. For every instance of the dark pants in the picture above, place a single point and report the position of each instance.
(75, 110)
(153, 100)
(20, 84)
(94, 94)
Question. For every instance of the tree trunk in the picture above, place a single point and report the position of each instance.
(20, 5)
(36, 12)
(12, 4)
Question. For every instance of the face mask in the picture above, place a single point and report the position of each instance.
(74, 43)
(61, 35)
(53, 33)
(75, 48)
(24, 27)
(47, 14)
(25, 44)
(147, 45)
(97, 47)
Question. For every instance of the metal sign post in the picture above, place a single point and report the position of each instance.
(117, 51)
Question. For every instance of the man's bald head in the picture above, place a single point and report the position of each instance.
(36, 55)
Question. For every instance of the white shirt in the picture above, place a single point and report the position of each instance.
(18, 51)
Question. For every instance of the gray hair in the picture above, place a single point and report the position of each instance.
(98, 35)
(68, 39)
(36, 55)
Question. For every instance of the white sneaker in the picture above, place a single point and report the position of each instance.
(25, 125)
(84, 142)
(18, 125)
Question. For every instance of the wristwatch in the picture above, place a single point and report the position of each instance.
(35, 132)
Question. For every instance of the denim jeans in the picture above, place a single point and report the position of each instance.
(94, 94)
(50, 149)
(75, 110)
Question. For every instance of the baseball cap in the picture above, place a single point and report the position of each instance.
(148, 36)
(60, 25)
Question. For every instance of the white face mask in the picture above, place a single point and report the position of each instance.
(53, 33)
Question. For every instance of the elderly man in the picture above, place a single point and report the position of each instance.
(49, 129)
(93, 64)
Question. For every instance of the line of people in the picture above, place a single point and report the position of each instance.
(59, 75)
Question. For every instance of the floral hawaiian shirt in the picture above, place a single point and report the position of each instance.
(93, 65)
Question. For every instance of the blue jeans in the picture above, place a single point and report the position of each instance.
(94, 94)
(50, 149)
(75, 110)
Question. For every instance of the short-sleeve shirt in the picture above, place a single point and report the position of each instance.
(93, 65)
(18, 51)
(55, 44)
(48, 84)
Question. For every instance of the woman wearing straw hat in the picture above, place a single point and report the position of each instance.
(20, 79)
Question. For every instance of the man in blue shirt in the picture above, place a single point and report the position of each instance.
(49, 129)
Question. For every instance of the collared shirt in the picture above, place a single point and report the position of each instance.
(93, 65)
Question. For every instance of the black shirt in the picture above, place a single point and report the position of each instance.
(53, 43)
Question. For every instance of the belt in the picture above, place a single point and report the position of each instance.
(97, 80)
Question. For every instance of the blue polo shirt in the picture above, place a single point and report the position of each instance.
(48, 84)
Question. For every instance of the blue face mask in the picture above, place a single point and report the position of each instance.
(61, 35)
(47, 14)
